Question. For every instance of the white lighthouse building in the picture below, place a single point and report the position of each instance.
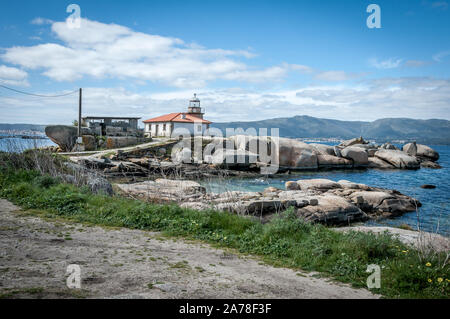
(192, 120)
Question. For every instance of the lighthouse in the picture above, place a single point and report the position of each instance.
(194, 107)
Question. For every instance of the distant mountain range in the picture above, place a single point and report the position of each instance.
(422, 131)
(389, 129)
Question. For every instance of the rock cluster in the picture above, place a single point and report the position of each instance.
(316, 200)
(297, 155)
(355, 153)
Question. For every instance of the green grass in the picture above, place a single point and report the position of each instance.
(285, 241)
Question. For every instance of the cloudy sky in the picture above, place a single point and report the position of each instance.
(246, 60)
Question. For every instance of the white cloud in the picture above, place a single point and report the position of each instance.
(41, 21)
(441, 55)
(369, 100)
(391, 63)
(337, 76)
(13, 76)
(101, 50)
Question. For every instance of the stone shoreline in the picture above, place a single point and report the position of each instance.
(316, 200)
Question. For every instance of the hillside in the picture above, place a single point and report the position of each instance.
(423, 131)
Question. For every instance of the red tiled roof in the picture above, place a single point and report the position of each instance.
(177, 117)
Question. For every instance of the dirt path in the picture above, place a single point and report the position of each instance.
(124, 263)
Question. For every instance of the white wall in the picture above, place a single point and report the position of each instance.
(191, 127)
(151, 128)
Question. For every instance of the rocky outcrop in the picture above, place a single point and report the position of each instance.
(410, 149)
(315, 200)
(422, 151)
(236, 159)
(398, 159)
(375, 162)
(330, 161)
(430, 164)
(62, 135)
(294, 154)
(353, 141)
(317, 184)
(331, 210)
(388, 146)
(99, 185)
(357, 155)
(163, 190)
(323, 149)
(427, 152)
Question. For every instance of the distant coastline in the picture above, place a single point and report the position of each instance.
(312, 129)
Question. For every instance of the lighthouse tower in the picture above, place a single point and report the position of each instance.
(194, 107)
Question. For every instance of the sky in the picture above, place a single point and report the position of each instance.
(246, 60)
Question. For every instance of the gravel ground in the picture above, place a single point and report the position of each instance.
(124, 263)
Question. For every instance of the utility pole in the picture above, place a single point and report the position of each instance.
(79, 113)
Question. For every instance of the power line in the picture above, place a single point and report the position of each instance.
(39, 95)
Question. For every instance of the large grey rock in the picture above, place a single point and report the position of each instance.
(99, 185)
(372, 198)
(332, 210)
(390, 203)
(353, 141)
(357, 155)
(398, 159)
(317, 184)
(329, 161)
(63, 135)
(375, 162)
(163, 190)
(388, 146)
(233, 158)
(350, 185)
(410, 148)
(322, 149)
(292, 186)
(421, 150)
(430, 164)
(296, 155)
(187, 187)
(427, 152)
(252, 144)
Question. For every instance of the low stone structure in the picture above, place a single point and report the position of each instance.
(93, 137)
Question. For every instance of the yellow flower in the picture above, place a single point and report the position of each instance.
(440, 280)
(429, 280)
(404, 251)
(428, 264)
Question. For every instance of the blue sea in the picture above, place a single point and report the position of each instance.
(17, 144)
(434, 213)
